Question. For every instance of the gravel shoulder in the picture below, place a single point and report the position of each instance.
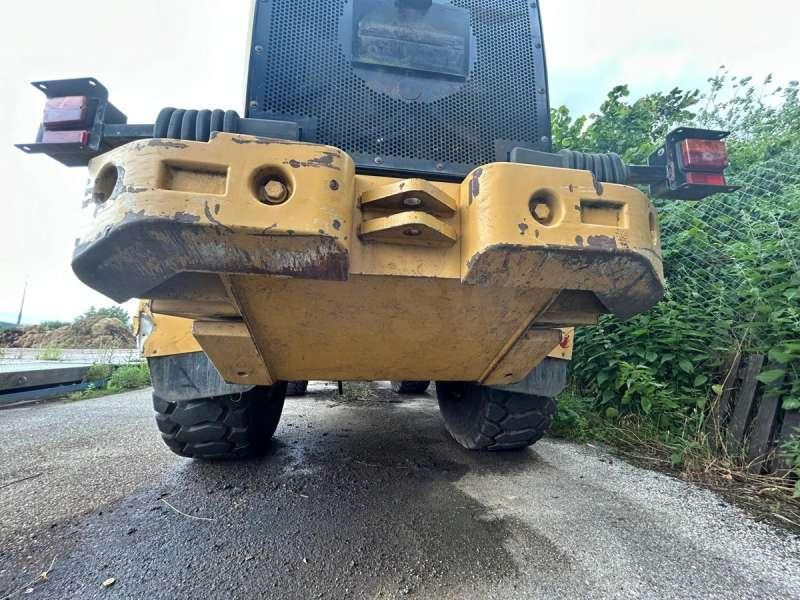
(358, 499)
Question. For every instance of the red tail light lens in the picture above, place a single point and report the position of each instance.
(703, 155)
(705, 178)
(68, 112)
(65, 137)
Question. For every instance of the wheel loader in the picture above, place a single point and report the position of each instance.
(388, 207)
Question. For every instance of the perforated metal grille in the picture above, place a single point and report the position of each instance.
(307, 75)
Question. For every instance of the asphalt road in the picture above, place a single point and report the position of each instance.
(363, 499)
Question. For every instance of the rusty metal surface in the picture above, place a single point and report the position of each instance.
(522, 246)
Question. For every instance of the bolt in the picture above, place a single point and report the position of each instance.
(541, 211)
(412, 231)
(253, 104)
(412, 201)
(439, 166)
(274, 192)
(378, 160)
(259, 49)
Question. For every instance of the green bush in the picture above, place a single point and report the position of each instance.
(113, 312)
(50, 325)
(731, 267)
(130, 377)
(791, 451)
(49, 353)
(99, 372)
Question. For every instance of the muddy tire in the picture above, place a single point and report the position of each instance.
(410, 387)
(296, 388)
(223, 427)
(484, 418)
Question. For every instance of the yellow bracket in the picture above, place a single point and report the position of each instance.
(409, 194)
(411, 228)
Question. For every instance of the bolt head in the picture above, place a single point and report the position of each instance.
(542, 211)
(275, 192)
(412, 201)
(412, 231)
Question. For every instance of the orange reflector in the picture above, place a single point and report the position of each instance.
(705, 178)
(704, 155)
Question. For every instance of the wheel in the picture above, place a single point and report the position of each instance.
(410, 387)
(296, 388)
(230, 426)
(484, 418)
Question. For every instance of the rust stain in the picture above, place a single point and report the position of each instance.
(334, 185)
(536, 233)
(262, 140)
(336, 224)
(324, 160)
(216, 209)
(602, 241)
(213, 220)
(579, 240)
(159, 143)
(522, 228)
(184, 217)
(475, 184)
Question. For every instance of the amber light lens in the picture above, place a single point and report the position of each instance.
(705, 178)
(704, 155)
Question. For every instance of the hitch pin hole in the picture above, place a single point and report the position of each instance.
(104, 184)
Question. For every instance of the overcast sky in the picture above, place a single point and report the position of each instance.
(154, 53)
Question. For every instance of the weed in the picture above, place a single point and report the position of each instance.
(129, 377)
(99, 371)
(49, 353)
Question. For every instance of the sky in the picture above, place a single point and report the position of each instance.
(155, 53)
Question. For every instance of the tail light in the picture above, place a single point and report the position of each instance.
(695, 162)
(703, 155)
(76, 115)
(67, 112)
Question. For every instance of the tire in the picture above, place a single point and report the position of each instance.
(296, 388)
(484, 418)
(410, 387)
(223, 427)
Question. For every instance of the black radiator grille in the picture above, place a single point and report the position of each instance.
(306, 75)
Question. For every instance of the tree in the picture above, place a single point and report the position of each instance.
(113, 312)
(632, 130)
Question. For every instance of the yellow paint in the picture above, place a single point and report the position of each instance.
(169, 335)
(231, 349)
(459, 303)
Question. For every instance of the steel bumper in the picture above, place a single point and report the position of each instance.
(185, 224)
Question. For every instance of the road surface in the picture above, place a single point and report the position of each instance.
(362, 499)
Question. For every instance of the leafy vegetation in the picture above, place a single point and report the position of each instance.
(112, 312)
(105, 379)
(130, 377)
(49, 353)
(731, 263)
(50, 325)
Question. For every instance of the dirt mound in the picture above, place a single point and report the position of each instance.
(89, 332)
